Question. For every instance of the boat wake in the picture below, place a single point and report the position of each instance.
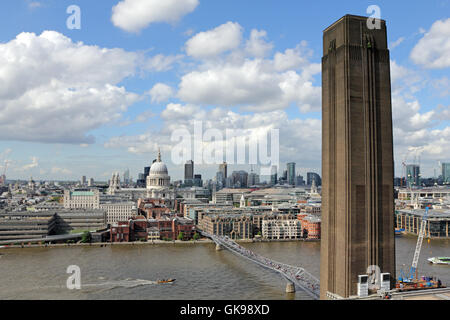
(112, 284)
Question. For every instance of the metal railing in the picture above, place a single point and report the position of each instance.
(297, 275)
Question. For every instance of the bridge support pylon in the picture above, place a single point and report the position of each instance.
(290, 287)
(218, 247)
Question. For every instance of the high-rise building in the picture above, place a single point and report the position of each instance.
(126, 177)
(412, 175)
(253, 179)
(223, 169)
(357, 156)
(299, 181)
(446, 172)
(310, 176)
(83, 180)
(274, 176)
(189, 170)
(142, 181)
(228, 182)
(240, 179)
(197, 181)
(220, 179)
(291, 173)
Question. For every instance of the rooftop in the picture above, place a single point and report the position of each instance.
(82, 193)
(432, 213)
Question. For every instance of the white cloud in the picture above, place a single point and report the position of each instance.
(34, 164)
(256, 46)
(295, 134)
(135, 15)
(417, 133)
(237, 73)
(397, 42)
(432, 51)
(252, 84)
(55, 90)
(292, 58)
(405, 81)
(144, 116)
(442, 85)
(161, 62)
(210, 43)
(161, 93)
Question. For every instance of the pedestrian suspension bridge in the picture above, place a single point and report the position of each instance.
(296, 276)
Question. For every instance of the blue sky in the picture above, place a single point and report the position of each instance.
(141, 70)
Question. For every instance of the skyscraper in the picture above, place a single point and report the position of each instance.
(253, 179)
(357, 156)
(300, 181)
(240, 179)
(412, 175)
(197, 181)
(223, 169)
(446, 172)
(189, 172)
(291, 173)
(310, 176)
(126, 176)
(220, 179)
(274, 175)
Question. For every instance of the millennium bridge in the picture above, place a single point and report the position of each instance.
(296, 276)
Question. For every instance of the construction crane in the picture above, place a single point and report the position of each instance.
(403, 175)
(412, 272)
(419, 244)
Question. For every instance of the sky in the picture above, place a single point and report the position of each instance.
(100, 91)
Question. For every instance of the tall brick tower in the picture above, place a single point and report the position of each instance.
(357, 155)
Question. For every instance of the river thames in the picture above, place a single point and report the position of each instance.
(201, 272)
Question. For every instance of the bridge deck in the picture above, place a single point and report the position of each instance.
(297, 275)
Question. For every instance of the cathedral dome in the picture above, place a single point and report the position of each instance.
(158, 177)
(158, 168)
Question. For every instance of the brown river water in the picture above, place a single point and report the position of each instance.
(201, 272)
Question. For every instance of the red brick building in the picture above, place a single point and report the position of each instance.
(170, 228)
(153, 208)
(133, 230)
(311, 225)
(120, 232)
(138, 229)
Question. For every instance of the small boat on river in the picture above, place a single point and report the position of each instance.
(165, 281)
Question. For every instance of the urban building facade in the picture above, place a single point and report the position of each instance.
(118, 211)
(82, 199)
(291, 173)
(438, 222)
(412, 175)
(446, 172)
(281, 229)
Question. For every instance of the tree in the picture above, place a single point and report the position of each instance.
(196, 236)
(180, 236)
(86, 237)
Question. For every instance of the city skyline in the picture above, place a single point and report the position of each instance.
(152, 73)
